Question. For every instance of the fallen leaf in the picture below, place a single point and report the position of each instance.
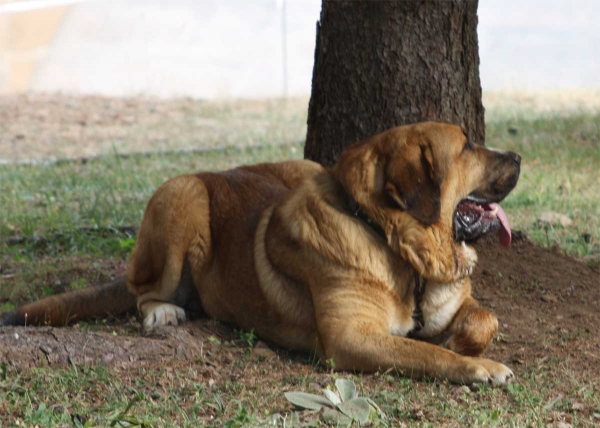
(307, 401)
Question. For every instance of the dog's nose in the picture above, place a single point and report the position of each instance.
(517, 159)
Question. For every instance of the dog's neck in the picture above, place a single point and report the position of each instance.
(361, 214)
(418, 317)
(419, 282)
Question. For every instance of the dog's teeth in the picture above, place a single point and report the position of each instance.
(494, 211)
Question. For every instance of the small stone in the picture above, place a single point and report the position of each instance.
(460, 391)
(262, 349)
(553, 218)
(578, 407)
(549, 298)
(564, 188)
(562, 425)
(315, 387)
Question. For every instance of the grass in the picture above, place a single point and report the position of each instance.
(561, 164)
(561, 158)
(105, 191)
(560, 173)
(248, 392)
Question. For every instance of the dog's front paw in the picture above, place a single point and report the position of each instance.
(466, 260)
(451, 263)
(488, 371)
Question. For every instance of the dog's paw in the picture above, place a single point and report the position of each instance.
(158, 314)
(466, 260)
(488, 371)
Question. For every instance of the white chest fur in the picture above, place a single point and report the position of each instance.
(439, 305)
(401, 326)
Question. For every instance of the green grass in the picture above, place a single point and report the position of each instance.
(560, 173)
(249, 393)
(106, 191)
(561, 164)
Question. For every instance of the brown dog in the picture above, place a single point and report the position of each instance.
(363, 263)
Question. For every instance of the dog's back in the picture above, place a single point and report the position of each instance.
(190, 213)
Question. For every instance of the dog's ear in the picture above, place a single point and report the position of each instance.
(359, 171)
(413, 181)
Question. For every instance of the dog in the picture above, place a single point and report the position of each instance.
(364, 263)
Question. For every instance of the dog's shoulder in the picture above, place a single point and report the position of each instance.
(317, 218)
(290, 173)
(286, 175)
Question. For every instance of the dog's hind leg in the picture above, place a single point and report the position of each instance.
(175, 229)
(471, 330)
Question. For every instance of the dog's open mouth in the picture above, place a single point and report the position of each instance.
(472, 220)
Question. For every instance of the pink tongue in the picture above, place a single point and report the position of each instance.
(504, 232)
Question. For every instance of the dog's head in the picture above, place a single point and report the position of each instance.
(433, 173)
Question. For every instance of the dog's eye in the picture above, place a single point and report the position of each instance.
(468, 146)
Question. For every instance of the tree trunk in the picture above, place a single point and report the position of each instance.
(379, 64)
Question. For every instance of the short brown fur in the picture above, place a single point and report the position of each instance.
(276, 248)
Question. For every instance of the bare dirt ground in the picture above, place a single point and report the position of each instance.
(547, 305)
(38, 128)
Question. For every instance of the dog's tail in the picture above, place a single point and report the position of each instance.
(112, 298)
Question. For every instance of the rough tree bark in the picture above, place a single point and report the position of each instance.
(379, 64)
